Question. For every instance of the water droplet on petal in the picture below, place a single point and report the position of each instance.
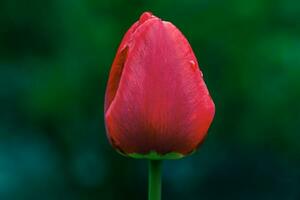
(195, 67)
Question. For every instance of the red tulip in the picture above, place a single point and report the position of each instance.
(156, 102)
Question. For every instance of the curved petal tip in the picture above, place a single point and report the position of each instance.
(145, 16)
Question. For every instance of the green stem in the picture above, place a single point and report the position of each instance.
(154, 190)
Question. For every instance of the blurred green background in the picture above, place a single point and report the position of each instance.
(55, 57)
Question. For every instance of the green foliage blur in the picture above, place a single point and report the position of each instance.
(55, 57)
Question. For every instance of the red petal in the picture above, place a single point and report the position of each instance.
(161, 102)
(118, 64)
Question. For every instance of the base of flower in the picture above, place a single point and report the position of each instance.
(153, 155)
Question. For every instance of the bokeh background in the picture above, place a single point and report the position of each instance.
(55, 57)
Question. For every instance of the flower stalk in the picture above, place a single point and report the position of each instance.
(154, 190)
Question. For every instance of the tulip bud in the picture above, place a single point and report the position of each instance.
(157, 105)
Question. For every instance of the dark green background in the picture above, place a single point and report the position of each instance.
(55, 57)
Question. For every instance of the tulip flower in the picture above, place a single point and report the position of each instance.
(157, 105)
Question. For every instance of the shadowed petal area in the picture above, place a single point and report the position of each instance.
(162, 103)
(114, 79)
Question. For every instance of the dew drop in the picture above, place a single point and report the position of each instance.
(195, 67)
